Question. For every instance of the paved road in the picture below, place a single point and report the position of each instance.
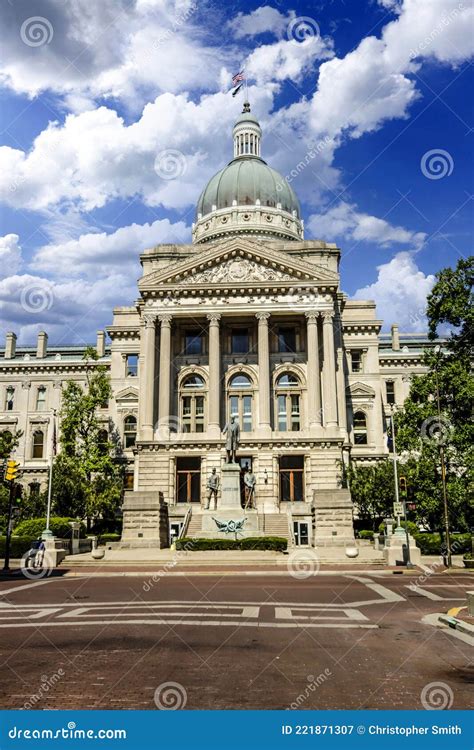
(328, 641)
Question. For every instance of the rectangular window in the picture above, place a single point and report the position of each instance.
(188, 480)
(356, 358)
(291, 471)
(40, 399)
(295, 413)
(199, 414)
(240, 341)
(9, 399)
(287, 340)
(128, 480)
(282, 412)
(390, 391)
(132, 365)
(193, 342)
(247, 414)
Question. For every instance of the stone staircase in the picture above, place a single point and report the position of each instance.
(195, 526)
(276, 524)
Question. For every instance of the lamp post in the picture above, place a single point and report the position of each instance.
(399, 530)
(447, 556)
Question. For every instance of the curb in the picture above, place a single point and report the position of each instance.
(455, 624)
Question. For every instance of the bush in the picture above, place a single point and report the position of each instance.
(106, 538)
(34, 527)
(276, 543)
(431, 544)
(18, 546)
(411, 526)
(366, 534)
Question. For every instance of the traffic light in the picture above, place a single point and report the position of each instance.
(403, 485)
(12, 469)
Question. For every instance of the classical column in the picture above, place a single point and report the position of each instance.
(263, 373)
(314, 396)
(329, 370)
(213, 426)
(165, 376)
(148, 373)
(341, 389)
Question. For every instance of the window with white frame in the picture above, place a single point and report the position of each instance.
(360, 428)
(193, 401)
(288, 403)
(129, 431)
(10, 398)
(41, 398)
(38, 444)
(241, 401)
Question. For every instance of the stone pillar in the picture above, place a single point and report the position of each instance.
(395, 338)
(165, 377)
(100, 345)
(10, 345)
(314, 395)
(214, 400)
(263, 373)
(329, 370)
(148, 372)
(341, 390)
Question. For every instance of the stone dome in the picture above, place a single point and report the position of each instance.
(247, 196)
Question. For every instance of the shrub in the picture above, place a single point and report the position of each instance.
(278, 544)
(34, 527)
(366, 534)
(467, 556)
(431, 544)
(411, 526)
(18, 546)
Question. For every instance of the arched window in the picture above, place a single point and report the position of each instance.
(360, 428)
(41, 398)
(38, 444)
(240, 401)
(192, 404)
(9, 398)
(288, 403)
(129, 431)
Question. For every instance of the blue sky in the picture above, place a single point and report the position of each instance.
(98, 97)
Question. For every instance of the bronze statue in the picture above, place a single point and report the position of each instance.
(232, 430)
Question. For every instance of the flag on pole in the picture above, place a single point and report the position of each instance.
(237, 82)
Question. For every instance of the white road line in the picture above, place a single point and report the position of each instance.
(288, 613)
(387, 594)
(5, 592)
(423, 592)
(227, 623)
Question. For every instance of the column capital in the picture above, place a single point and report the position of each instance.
(165, 319)
(262, 317)
(214, 318)
(150, 319)
(312, 316)
(327, 316)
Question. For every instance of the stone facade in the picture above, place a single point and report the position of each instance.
(238, 323)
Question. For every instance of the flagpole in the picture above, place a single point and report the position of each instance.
(47, 533)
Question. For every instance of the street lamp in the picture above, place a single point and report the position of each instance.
(398, 530)
(447, 556)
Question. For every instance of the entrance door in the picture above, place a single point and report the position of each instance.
(301, 533)
(291, 478)
(188, 480)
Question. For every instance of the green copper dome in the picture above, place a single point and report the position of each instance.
(247, 180)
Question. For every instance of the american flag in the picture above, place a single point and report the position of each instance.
(237, 78)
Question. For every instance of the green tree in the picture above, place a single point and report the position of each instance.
(87, 473)
(372, 489)
(438, 411)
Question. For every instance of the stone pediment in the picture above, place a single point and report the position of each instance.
(361, 390)
(240, 261)
(127, 394)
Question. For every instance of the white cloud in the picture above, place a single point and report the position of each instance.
(97, 253)
(264, 19)
(345, 221)
(10, 254)
(287, 59)
(400, 293)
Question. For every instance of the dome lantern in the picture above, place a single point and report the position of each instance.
(247, 197)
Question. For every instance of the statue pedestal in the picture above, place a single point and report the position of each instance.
(230, 487)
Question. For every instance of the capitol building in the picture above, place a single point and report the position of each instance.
(249, 321)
